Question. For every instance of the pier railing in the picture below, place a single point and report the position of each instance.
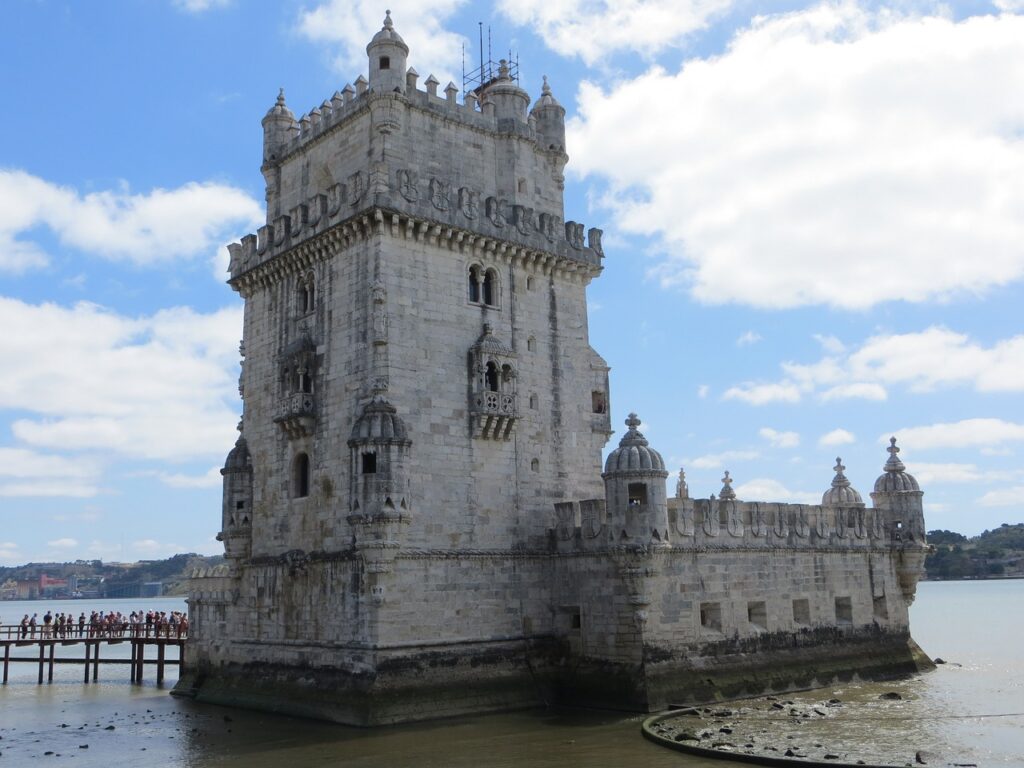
(92, 637)
(122, 631)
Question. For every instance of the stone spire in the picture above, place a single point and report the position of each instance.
(682, 489)
(895, 478)
(727, 493)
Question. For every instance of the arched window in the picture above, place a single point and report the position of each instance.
(300, 476)
(506, 377)
(305, 290)
(529, 283)
(474, 284)
(491, 377)
(535, 465)
(533, 402)
(490, 288)
(305, 381)
(522, 186)
(531, 344)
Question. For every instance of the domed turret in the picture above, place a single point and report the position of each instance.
(549, 117)
(236, 510)
(505, 97)
(897, 497)
(634, 483)
(895, 479)
(379, 450)
(388, 55)
(278, 125)
(841, 494)
(727, 493)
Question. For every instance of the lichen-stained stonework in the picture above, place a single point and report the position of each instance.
(415, 516)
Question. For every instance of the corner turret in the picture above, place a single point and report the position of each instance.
(549, 118)
(634, 481)
(389, 56)
(841, 494)
(899, 496)
(278, 128)
(236, 512)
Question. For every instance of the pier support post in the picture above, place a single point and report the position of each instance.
(7, 660)
(140, 659)
(87, 654)
(160, 663)
(96, 662)
(49, 676)
(135, 651)
(42, 653)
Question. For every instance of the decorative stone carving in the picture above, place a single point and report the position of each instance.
(440, 194)
(356, 187)
(594, 240)
(496, 211)
(335, 197)
(469, 202)
(523, 219)
(407, 185)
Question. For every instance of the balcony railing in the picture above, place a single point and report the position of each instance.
(296, 414)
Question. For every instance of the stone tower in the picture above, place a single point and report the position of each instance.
(415, 515)
(418, 388)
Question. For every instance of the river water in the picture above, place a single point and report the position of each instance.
(971, 708)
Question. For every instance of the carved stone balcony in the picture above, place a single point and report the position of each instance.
(296, 414)
(494, 415)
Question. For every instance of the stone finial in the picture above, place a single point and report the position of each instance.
(682, 489)
(280, 97)
(388, 24)
(411, 76)
(450, 91)
(488, 329)
(432, 83)
(633, 422)
(348, 93)
(545, 88)
(840, 478)
(727, 492)
(893, 464)
(503, 73)
(361, 85)
(337, 101)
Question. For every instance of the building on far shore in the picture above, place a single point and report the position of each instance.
(416, 518)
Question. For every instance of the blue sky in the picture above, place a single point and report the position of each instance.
(813, 215)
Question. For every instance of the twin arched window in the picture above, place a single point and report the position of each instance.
(483, 286)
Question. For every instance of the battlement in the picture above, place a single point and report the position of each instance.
(701, 523)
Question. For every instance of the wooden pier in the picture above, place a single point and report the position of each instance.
(92, 639)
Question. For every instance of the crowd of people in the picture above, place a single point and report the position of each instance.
(104, 624)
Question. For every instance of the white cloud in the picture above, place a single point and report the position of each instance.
(592, 29)
(837, 437)
(9, 552)
(210, 479)
(766, 489)
(762, 394)
(832, 155)
(63, 543)
(937, 473)
(703, 390)
(780, 439)
(1009, 5)
(200, 6)
(968, 433)
(156, 387)
(922, 361)
(160, 226)
(861, 390)
(718, 460)
(748, 338)
(1003, 497)
(351, 24)
(830, 343)
(25, 472)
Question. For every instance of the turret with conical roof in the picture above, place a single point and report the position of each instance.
(549, 117)
(278, 128)
(236, 514)
(634, 481)
(388, 58)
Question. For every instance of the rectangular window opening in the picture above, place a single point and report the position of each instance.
(711, 616)
(637, 494)
(844, 611)
(757, 614)
(598, 402)
(802, 611)
(369, 463)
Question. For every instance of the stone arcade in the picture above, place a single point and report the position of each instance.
(415, 517)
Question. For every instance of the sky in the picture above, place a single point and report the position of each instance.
(813, 216)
